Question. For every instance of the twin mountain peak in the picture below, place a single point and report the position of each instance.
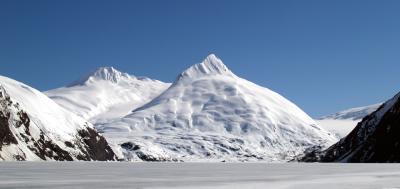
(211, 65)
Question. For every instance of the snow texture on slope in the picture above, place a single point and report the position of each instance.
(33, 127)
(210, 114)
(106, 94)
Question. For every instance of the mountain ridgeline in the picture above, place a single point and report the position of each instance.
(207, 114)
(34, 128)
(106, 94)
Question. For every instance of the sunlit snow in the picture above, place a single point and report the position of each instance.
(210, 114)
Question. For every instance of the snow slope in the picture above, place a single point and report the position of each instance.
(106, 94)
(343, 122)
(33, 127)
(340, 128)
(210, 114)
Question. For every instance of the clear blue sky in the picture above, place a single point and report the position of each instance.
(323, 55)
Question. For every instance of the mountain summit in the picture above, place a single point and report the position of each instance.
(102, 74)
(211, 65)
(106, 93)
(109, 74)
(211, 114)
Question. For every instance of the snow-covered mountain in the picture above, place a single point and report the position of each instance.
(375, 138)
(106, 94)
(33, 127)
(211, 114)
(343, 122)
(353, 113)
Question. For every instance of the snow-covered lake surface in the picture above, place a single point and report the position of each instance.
(197, 175)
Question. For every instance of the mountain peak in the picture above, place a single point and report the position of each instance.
(103, 73)
(211, 65)
(109, 74)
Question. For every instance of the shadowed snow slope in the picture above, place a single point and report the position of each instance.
(341, 123)
(33, 127)
(106, 94)
(211, 114)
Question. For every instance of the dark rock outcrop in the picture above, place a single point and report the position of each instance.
(143, 154)
(95, 146)
(6, 136)
(376, 139)
(16, 129)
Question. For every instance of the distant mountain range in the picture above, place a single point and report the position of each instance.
(207, 114)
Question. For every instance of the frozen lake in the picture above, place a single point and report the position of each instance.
(197, 175)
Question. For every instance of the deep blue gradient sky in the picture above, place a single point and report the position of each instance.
(323, 55)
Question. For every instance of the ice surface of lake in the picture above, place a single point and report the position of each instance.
(197, 175)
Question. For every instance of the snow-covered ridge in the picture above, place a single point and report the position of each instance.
(353, 113)
(36, 128)
(343, 122)
(107, 74)
(209, 114)
(106, 94)
(56, 119)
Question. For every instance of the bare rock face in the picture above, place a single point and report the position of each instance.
(375, 139)
(95, 146)
(20, 139)
(6, 136)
